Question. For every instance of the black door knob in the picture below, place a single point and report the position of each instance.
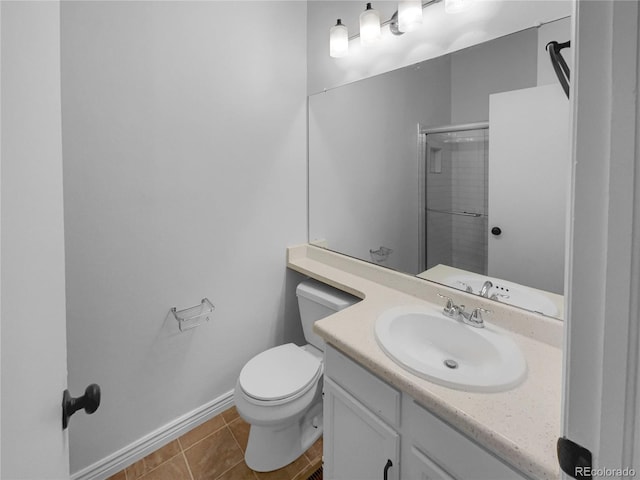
(496, 231)
(90, 401)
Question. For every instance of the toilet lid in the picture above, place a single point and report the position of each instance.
(280, 372)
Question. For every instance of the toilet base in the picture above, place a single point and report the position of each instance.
(272, 448)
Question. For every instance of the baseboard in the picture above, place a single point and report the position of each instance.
(142, 447)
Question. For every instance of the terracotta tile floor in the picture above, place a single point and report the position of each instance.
(215, 451)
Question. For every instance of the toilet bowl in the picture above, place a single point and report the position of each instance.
(286, 415)
(279, 391)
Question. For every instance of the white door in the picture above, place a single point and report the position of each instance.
(528, 182)
(33, 348)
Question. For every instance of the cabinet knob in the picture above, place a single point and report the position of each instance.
(387, 466)
(496, 231)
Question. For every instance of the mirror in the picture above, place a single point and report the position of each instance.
(454, 169)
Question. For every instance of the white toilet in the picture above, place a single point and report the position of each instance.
(279, 391)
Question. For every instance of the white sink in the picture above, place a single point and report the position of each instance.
(443, 350)
(507, 292)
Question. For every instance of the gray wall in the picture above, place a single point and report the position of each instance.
(185, 176)
(505, 64)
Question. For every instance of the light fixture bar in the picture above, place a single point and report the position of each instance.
(387, 22)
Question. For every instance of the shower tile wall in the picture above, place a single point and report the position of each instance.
(469, 186)
(460, 184)
(439, 225)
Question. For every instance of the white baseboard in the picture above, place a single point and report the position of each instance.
(142, 447)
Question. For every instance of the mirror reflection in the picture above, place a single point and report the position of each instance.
(455, 170)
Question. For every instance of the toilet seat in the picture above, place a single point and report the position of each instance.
(279, 375)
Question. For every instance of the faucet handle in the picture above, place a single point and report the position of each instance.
(498, 296)
(448, 299)
(476, 315)
(466, 286)
(450, 308)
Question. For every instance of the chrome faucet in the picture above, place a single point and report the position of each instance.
(486, 286)
(458, 312)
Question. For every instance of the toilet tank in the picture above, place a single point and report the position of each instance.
(317, 300)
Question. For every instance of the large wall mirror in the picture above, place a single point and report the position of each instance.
(455, 169)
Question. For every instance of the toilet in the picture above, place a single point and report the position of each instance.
(279, 391)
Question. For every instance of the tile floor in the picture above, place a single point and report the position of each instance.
(215, 451)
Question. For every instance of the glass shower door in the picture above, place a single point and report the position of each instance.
(456, 199)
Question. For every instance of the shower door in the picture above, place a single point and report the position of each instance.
(456, 199)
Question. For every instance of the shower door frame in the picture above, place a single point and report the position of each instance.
(423, 131)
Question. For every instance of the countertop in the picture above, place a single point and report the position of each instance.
(521, 426)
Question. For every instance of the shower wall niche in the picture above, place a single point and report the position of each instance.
(456, 199)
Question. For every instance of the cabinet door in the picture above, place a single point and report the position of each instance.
(357, 444)
(417, 466)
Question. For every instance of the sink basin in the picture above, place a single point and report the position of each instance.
(445, 351)
(507, 292)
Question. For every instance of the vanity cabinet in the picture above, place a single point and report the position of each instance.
(369, 425)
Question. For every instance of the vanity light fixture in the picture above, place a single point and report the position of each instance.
(407, 18)
(369, 26)
(338, 40)
(409, 15)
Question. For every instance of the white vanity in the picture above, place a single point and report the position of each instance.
(369, 425)
(382, 421)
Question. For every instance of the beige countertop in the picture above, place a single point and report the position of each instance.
(521, 426)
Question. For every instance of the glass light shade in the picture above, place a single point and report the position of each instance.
(409, 15)
(369, 26)
(456, 6)
(338, 40)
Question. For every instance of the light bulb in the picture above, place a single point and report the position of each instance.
(456, 6)
(369, 26)
(338, 40)
(409, 15)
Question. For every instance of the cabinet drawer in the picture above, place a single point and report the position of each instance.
(449, 449)
(375, 394)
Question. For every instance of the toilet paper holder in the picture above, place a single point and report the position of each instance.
(193, 317)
